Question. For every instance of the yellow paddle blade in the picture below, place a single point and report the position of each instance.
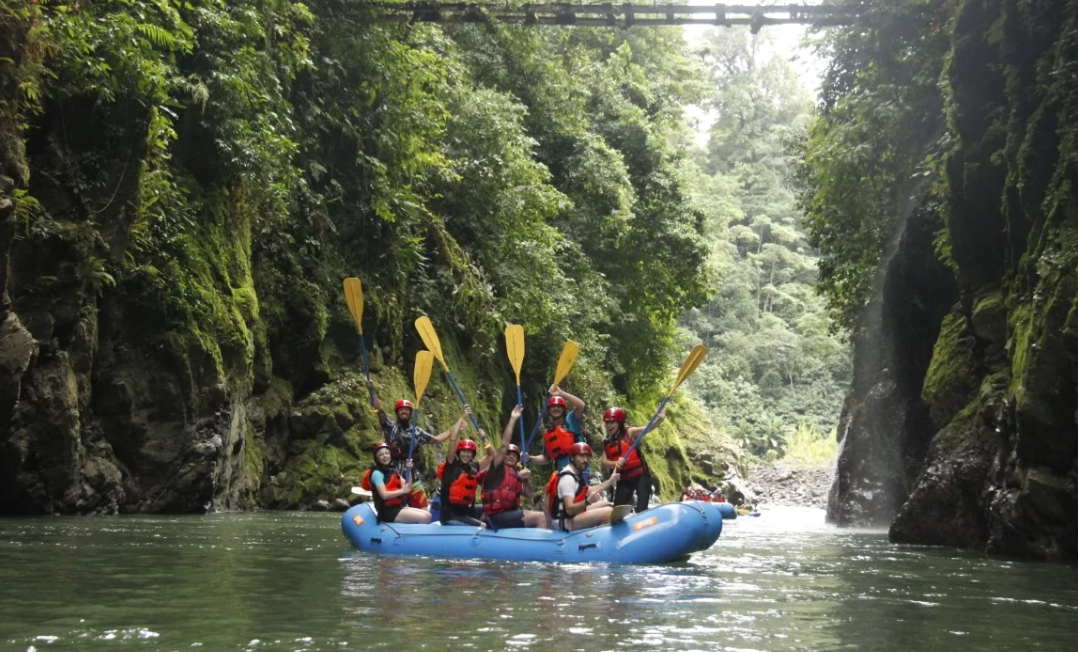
(353, 295)
(565, 362)
(430, 338)
(696, 356)
(514, 346)
(424, 360)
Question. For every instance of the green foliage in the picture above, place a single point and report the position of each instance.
(868, 156)
(808, 447)
(773, 363)
(216, 168)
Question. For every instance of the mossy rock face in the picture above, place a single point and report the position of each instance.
(949, 381)
(989, 320)
(946, 505)
(332, 432)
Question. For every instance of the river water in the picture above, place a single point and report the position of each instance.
(288, 581)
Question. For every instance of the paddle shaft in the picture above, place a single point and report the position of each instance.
(366, 367)
(460, 395)
(535, 430)
(647, 428)
(520, 402)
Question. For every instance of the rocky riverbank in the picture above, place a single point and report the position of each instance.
(781, 484)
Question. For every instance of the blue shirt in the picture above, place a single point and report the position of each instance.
(377, 478)
(573, 425)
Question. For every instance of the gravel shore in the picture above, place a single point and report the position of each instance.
(780, 484)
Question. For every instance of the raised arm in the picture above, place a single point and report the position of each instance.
(578, 405)
(454, 435)
(377, 403)
(636, 431)
(507, 435)
(485, 462)
(442, 436)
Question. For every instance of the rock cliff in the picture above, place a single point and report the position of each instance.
(974, 441)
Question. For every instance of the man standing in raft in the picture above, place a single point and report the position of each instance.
(397, 434)
(563, 429)
(571, 509)
(503, 485)
(635, 475)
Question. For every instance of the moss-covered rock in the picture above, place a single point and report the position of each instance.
(949, 381)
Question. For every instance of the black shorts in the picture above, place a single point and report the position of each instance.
(389, 514)
(506, 520)
(459, 513)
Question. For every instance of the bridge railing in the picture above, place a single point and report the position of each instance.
(608, 14)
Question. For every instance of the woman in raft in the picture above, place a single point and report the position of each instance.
(460, 480)
(503, 485)
(569, 506)
(635, 475)
(389, 490)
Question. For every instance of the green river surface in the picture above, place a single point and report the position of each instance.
(288, 581)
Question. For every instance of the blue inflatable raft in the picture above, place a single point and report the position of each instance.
(726, 509)
(657, 535)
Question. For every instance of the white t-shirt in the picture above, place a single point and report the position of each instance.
(568, 486)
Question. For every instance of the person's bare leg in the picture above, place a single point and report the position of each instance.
(592, 518)
(534, 519)
(413, 515)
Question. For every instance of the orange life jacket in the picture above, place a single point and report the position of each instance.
(615, 450)
(555, 504)
(461, 483)
(501, 492)
(393, 482)
(559, 442)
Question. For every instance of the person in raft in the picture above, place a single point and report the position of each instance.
(576, 505)
(563, 428)
(389, 490)
(635, 475)
(397, 434)
(460, 480)
(503, 485)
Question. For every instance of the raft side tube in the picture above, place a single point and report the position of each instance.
(657, 535)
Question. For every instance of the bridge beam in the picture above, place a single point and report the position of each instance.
(608, 14)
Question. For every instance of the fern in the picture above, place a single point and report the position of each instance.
(159, 36)
(27, 209)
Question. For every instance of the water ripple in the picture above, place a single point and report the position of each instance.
(784, 581)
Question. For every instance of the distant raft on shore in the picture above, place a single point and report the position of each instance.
(657, 535)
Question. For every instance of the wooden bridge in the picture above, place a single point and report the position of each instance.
(608, 14)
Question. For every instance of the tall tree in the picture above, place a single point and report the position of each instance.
(776, 365)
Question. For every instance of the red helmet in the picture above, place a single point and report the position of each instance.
(380, 447)
(467, 445)
(556, 400)
(403, 403)
(580, 447)
(614, 414)
(513, 448)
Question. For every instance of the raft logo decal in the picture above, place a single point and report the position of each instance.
(358, 520)
(648, 522)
